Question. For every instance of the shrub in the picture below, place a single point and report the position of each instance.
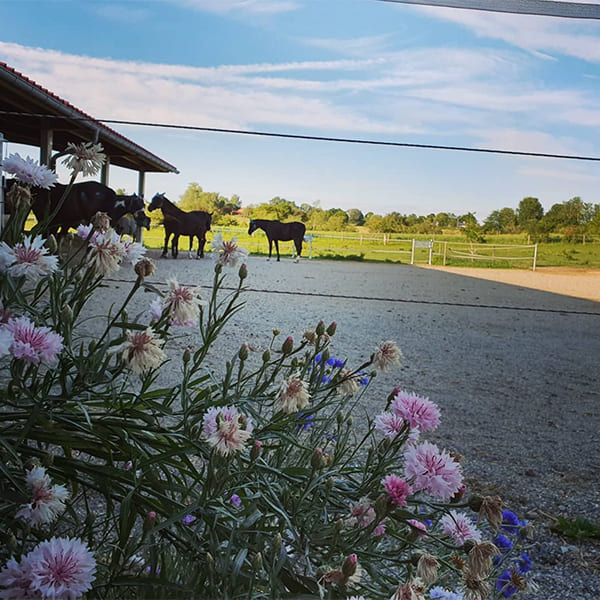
(264, 483)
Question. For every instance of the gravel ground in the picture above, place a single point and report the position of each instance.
(513, 369)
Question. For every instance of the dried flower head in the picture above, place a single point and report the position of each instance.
(411, 590)
(480, 558)
(26, 170)
(145, 267)
(427, 568)
(491, 509)
(17, 197)
(106, 252)
(86, 158)
(101, 221)
(475, 588)
(348, 384)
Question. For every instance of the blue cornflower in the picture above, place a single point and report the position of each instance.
(305, 422)
(318, 358)
(504, 585)
(336, 363)
(329, 435)
(364, 380)
(503, 543)
(524, 563)
(326, 379)
(510, 521)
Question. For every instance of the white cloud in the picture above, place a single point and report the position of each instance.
(249, 6)
(535, 34)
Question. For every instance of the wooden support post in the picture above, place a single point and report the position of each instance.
(534, 257)
(104, 172)
(412, 254)
(46, 141)
(141, 185)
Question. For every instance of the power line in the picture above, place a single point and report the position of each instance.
(546, 8)
(317, 138)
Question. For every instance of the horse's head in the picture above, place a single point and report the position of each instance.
(134, 203)
(252, 227)
(142, 219)
(157, 201)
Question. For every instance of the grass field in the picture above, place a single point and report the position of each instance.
(500, 251)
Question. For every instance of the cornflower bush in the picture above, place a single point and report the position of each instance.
(257, 484)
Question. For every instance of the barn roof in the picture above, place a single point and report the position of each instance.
(30, 103)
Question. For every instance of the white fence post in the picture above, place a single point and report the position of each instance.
(534, 257)
(412, 253)
(430, 251)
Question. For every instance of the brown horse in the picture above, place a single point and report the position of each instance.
(277, 231)
(179, 222)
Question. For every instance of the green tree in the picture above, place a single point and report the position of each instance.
(356, 217)
(530, 209)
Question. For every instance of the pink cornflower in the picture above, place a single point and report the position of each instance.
(432, 470)
(416, 411)
(48, 501)
(397, 489)
(133, 252)
(26, 170)
(33, 344)
(389, 424)
(460, 527)
(417, 525)
(226, 430)
(386, 354)
(15, 581)
(183, 303)
(28, 259)
(106, 252)
(61, 568)
(292, 395)
(142, 350)
(228, 253)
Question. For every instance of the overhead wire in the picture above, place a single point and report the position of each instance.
(313, 137)
(544, 8)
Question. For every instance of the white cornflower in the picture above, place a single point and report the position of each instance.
(86, 158)
(183, 302)
(386, 355)
(226, 429)
(292, 395)
(133, 252)
(348, 385)
(48, 501)
(26, 170)
(228, 253)
(29, 259)
(106, 252)
(142, 350)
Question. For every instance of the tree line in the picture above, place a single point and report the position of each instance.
(573, 218)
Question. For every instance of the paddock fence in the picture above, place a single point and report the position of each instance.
(386, 247)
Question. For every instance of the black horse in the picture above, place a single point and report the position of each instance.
(277, 231)
(179, 222)
(84, 200)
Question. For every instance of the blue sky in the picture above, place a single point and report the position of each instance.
(358, 69)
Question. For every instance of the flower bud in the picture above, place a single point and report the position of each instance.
(257, 561)
(325, 355)
(277, 542)
(255, 450)
(288, 345)
(349, 421)
(66, 314)
(320, 329)
(349, 566)
(468, 546)
(11, 542)
(331, 329)
(316, 462)
(90, 518)
(276, 332)
(243, 352)
(339, 525)
(381, 506)
(145, 267)
(266, 356)
(330, 483)
(339, 417)
(218, 268)
(475, 502)
(243, 272)
(51, 243)
(149, 521)
(187, 354)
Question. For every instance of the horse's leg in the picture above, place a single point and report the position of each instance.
(270, 248)
(166, 246)
(298, 244)
(201, 242)
(175, 245)
(277, 248)
(190, 255)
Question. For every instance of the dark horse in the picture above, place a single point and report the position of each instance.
(179, 222)
(277, 232)
(84, 200)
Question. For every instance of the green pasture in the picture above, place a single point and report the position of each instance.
(499, 251)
